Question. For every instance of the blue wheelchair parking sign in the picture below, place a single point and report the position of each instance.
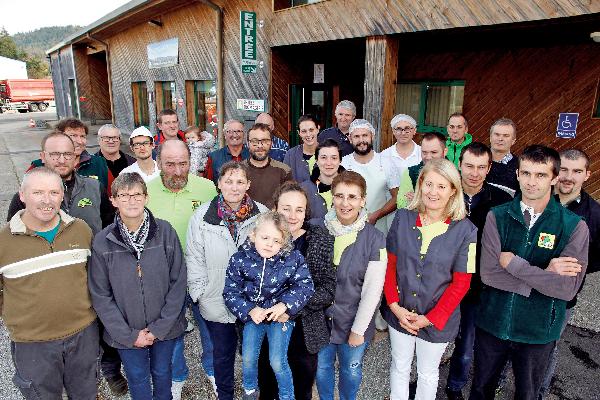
(567, 125)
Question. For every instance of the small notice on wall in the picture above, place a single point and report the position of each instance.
(319, 74)
(163, 54)
(567, 125)
(251, 105)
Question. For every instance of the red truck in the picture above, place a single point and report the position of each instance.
(25, 94)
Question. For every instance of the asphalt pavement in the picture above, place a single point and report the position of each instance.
(578, 371)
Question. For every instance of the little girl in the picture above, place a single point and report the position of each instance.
(200, 144)
(266, 285)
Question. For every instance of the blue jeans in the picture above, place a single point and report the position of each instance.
(225, 339)
(180, 369)
(278, 336)
(207, 347)
(149, 367)
(350, 364)
(462, 357)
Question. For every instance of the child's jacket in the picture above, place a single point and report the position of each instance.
(253, 281)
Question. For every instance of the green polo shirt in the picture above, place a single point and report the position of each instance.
(178, 207)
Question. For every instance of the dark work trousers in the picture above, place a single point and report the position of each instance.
(529, 362)
(110, 361)
(462, 357)
(43, 368)
(302, 363)
(225, 340)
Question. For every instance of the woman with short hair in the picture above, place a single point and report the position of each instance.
(431, 256)
(137, 281)
(215, 232)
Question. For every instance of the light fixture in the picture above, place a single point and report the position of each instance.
(595, 36)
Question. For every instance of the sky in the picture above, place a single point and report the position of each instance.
(23, 16)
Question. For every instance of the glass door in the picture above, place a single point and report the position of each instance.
(315, 99)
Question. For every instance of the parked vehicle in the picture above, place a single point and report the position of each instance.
(25, 94)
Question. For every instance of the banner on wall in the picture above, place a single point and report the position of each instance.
(163, 54)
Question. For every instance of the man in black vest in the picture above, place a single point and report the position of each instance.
(574, 172)
(474, 165)
(503, 135)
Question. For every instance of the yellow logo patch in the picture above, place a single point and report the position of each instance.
(546, 241)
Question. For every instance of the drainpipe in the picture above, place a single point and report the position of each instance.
(109, 73)
(220, 87)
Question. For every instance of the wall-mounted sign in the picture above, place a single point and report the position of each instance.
(163, 54)
(251, 105)
(567, 125)
(319, 73)
(248, 42)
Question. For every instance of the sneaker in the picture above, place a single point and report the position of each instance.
(176, 389)
(454, 394)
(250, 396)
(117, 385)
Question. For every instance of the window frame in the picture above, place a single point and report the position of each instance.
(421, 117)
(139, 117)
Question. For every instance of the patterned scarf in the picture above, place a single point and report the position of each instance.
(336, 228)
(135, 240)
(233, 218)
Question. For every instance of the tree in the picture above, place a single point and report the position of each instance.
(8, 48)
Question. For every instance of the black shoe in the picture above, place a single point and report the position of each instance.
(117, 385)
(454, 394)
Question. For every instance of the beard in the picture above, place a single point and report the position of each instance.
(365, 151)
(174, 182)
(257, 157)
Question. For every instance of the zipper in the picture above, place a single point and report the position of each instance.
(141, 279)
(262, 277)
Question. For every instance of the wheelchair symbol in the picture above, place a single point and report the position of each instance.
(566, 124)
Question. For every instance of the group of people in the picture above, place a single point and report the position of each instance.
(299, 255)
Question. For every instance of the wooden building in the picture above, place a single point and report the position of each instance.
(525, 60)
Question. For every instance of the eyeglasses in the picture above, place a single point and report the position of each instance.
(406, 129)
(351, 198)
(110, 138)
(257, 142)
(124, 197)
(141, 144)
(55, 155)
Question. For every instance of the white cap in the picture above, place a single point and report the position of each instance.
(141, 131)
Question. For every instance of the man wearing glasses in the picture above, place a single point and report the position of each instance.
(234, 149)
(142, 144)
(83, 198)
(405, 152)
(264, 173)
(109, 139)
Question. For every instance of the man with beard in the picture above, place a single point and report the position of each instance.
(574, 172)
(84, 197)
(234, 149)
(382, 186)
(141, 143)
(44, 297)
(174, 196)
(345, 112)
(279, 147)
(264, 173)
(86, 164)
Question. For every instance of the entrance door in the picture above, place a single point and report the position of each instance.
(315, 99)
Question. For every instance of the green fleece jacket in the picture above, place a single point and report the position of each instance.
(454, 149)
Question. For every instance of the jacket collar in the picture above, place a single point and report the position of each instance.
(514, 209)
(17, 226)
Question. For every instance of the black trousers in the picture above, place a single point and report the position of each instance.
(302, 363)
(110, 361)
(529, 362)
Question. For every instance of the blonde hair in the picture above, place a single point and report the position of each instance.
(455, 209)
(280, 223)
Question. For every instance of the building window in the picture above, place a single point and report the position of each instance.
(597, 104)
(284, 4)
(430, 103)
(201, 105)
(139, 93)
(165, 95)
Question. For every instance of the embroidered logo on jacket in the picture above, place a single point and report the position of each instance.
(84, 202)
(546, 241)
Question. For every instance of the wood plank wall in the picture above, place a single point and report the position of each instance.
(530, 85)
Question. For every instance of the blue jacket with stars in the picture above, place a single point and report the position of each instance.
(253, 281)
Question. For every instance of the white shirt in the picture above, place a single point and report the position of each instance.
(136, 168)
(534, 216)
(378, 174)
(398, 162)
